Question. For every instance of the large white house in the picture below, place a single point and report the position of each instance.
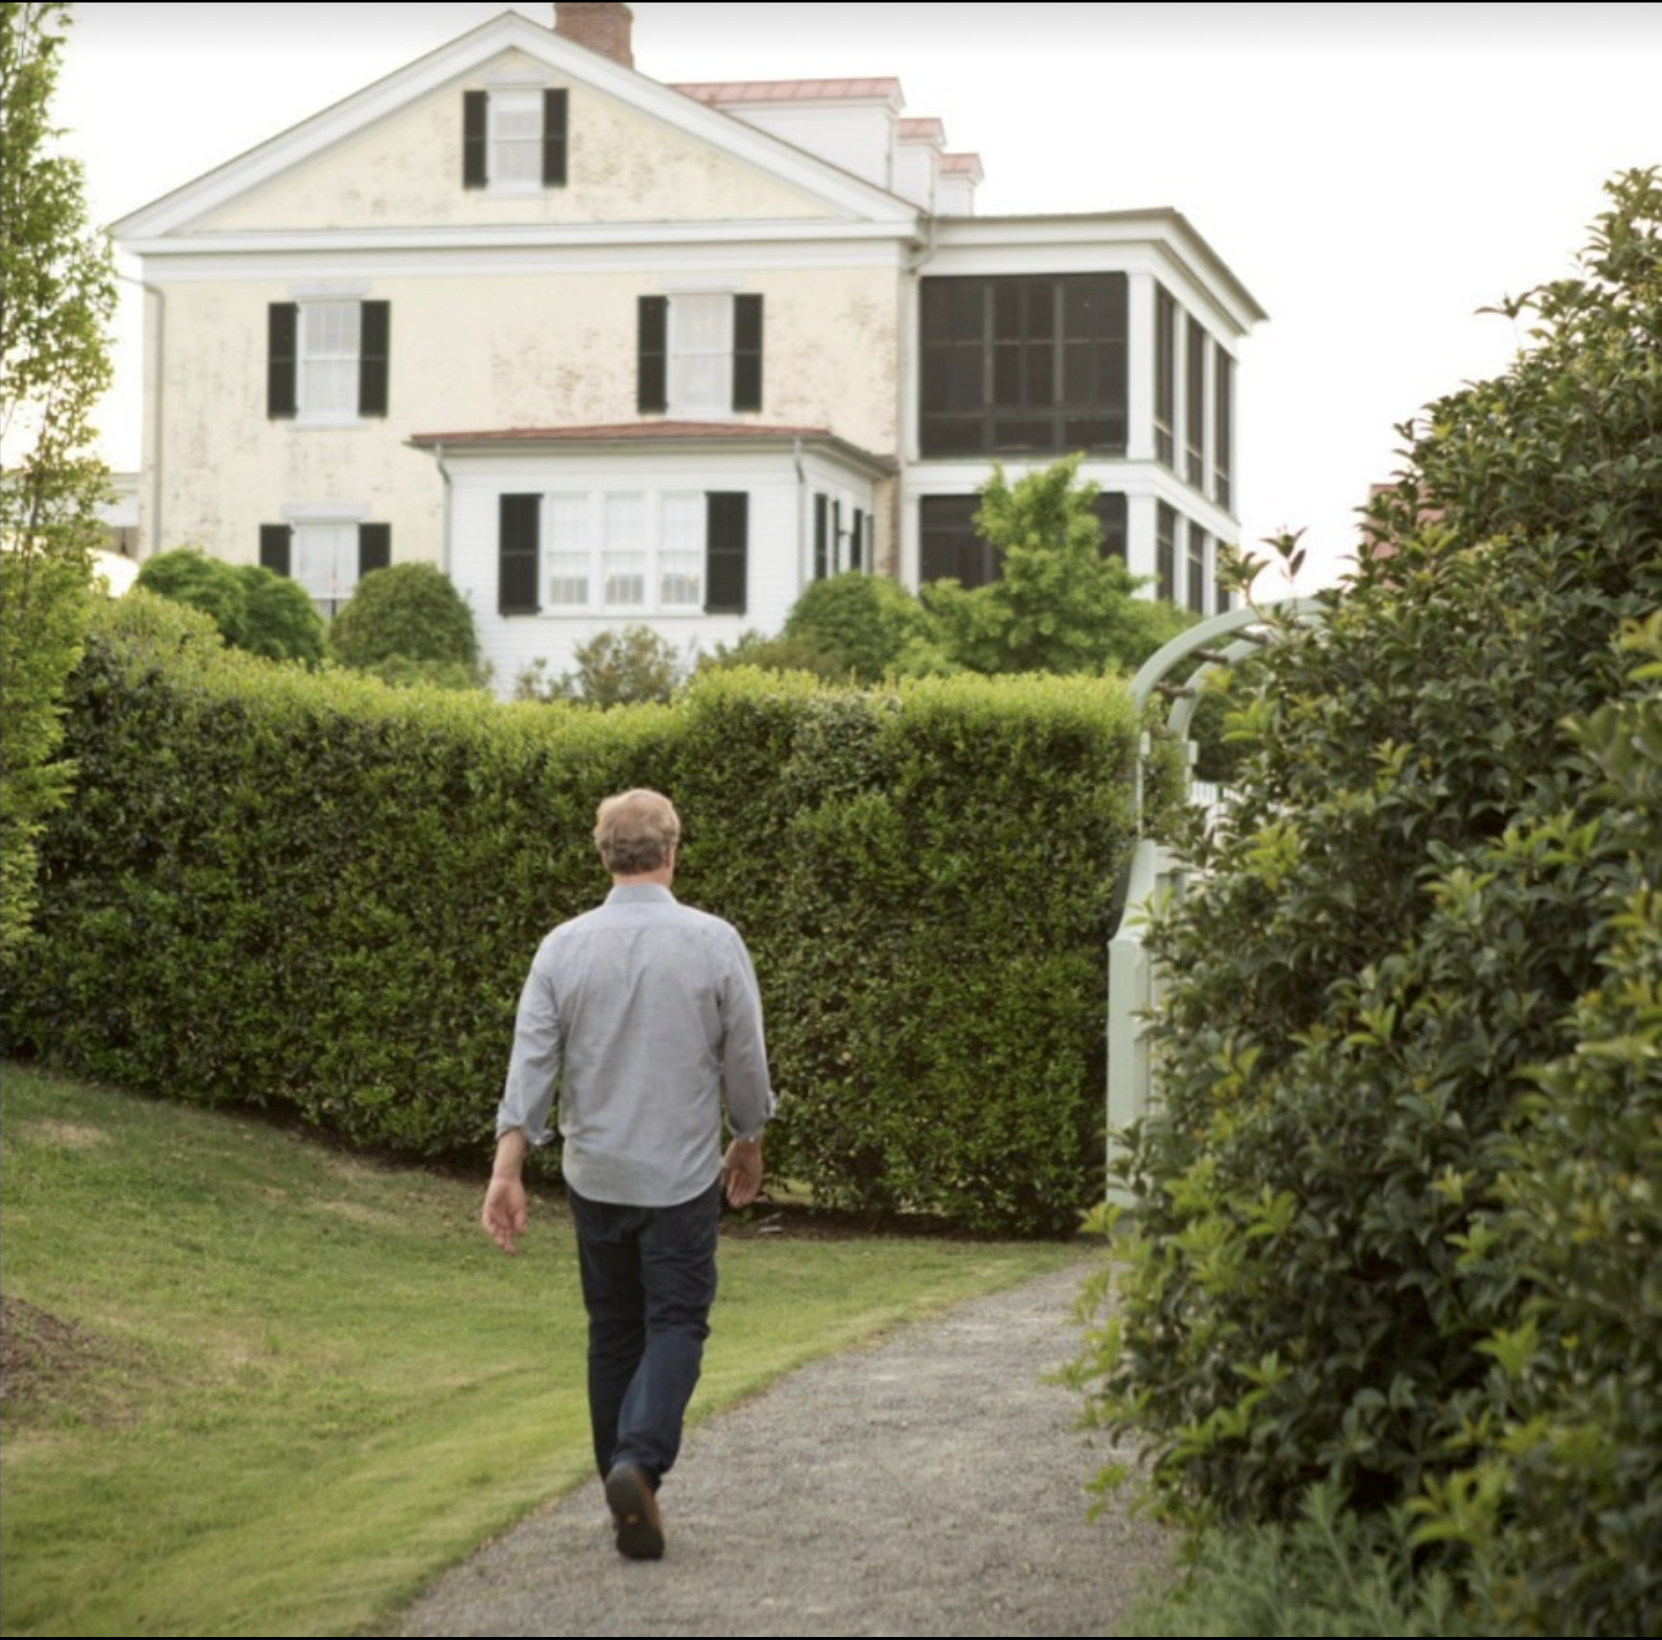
(612, 351)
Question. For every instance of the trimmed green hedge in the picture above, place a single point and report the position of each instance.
(315, 891)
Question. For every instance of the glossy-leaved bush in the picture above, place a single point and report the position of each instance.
(1389, 1231)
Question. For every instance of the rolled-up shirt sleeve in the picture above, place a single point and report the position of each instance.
(746, 1090)
(534, 1066)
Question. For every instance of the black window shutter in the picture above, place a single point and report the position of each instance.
(374, 547)
(857, 541)
(747, 352)
(836, 536)
(726, 551)
(475, 138)
(518, 541)
(282, 338)
(374, 337)
(822, 542)
(554, 139)
(652, 368)
(274, 547)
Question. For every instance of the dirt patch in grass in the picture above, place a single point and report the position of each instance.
(66, 1135)
(43, 1357)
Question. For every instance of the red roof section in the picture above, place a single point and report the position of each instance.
(731, 91)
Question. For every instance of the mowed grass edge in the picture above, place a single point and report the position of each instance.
(259, 1385)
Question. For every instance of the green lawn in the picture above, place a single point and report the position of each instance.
(257, 1385)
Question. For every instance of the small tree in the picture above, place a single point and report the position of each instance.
(57, 292)
(406, 621)
(1058, 605)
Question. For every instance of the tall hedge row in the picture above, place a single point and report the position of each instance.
(317, 892)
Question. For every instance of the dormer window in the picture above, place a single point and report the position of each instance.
(514, 139)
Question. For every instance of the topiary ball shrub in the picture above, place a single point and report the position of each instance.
(404, 612)
(864, 627)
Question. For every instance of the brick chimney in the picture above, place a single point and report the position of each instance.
(603, 28)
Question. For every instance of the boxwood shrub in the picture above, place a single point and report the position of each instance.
(317, 892)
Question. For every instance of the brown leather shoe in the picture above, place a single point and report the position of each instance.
(634, 1506)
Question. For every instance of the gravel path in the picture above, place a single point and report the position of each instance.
(930, 1484)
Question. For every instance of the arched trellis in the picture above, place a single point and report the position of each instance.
(1176, 672)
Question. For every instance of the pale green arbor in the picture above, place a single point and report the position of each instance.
(1155, 871)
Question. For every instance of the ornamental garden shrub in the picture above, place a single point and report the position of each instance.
(316, 892)
(407, 623)
(1390, 1235)
(253, 607)
(866, 627)
(620, 666)
(1560, 1499)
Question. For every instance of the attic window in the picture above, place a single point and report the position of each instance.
(514, 140)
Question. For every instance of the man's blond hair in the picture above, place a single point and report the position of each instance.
(636, 832)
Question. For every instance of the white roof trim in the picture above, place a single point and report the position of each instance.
(1162, 226)
(513, 235)
(175, 212)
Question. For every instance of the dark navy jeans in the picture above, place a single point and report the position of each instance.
(649, 1278)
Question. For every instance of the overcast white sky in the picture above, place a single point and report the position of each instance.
(1373, 173)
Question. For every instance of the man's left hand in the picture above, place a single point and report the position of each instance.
(741, 1168)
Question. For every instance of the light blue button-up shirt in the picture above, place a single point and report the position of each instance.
(647, 1014)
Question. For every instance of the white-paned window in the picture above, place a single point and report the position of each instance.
(681, 551)
(623, 552)
(568, 550)
(324, 560)
(327, 359)
(701, 355)
(330, 338)
(516, 121)
(514, 139)
(617, 553)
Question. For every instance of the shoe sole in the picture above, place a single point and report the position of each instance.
(635, 1515)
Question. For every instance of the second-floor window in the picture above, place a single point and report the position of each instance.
(327, 360)
(1165, 376)
(1023, 363)
(700, 354)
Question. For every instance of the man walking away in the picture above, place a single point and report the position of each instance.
(647, 1014)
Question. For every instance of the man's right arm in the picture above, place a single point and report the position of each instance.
(522, 1116)
(503, 1215)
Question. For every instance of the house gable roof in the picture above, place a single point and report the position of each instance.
(786, 182)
